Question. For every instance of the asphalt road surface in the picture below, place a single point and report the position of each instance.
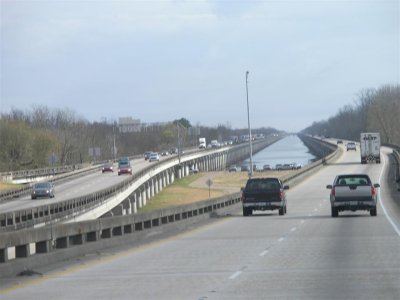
(305, 254)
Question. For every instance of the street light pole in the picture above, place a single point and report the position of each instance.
(248, 123)
(114, 142)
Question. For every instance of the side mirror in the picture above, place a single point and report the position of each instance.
(377, 185)
(329, 186)
(242, 189)
(285, 187)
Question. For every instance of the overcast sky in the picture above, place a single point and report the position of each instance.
(162, 60)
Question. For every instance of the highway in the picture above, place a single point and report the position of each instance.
(305, 254)
(77, 187)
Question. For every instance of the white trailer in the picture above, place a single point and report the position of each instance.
(370, 147)
(202, 143)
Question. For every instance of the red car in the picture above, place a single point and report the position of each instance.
(124, 167)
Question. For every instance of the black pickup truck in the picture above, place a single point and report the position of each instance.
(264, 194)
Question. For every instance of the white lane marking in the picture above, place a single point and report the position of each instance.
(381, 202)
(281, 239)
(263, 253)
(315, 209)
(236, 274)
(310, 215)
(302, 221)
(320, 204)
(293, 229)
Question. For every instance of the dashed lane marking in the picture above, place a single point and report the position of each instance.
(236, 274)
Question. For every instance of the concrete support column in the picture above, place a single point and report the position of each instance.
(164, 179)
(134, 203)
(139, 199)
(160, 183)
(144, 196)
(156, 185)
(172, 177)
(151, 187)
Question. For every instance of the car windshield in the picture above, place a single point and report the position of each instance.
(354, 180)
(42, 185)
(262, 185)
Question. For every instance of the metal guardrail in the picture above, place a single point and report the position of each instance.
(26, 218)
(396, 156)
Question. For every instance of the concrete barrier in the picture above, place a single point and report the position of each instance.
(30, 248)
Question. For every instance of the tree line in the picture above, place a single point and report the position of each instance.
(41, 137)
(375, 110)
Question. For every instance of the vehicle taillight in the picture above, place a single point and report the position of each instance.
(372, 190)
(333, 192)
(281, 195)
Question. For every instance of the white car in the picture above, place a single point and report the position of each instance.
(154, 157)
(351, 146)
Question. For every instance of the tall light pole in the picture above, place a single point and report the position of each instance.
(248, 122)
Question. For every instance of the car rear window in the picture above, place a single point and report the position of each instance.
(262, 185)
(354, 180)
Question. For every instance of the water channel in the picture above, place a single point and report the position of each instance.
(287, 150)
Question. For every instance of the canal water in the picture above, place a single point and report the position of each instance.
(287, 150)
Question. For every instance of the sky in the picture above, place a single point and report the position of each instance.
(158, 61)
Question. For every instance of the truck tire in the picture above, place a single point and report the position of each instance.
(335, 212)
(373, 212)
(282, 211)
(245, 212)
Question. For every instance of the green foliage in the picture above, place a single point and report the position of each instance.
(182, 121)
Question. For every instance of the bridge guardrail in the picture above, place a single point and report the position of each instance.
(26, 218)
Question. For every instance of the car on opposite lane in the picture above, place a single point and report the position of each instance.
(154, 157)
(124, 167)
(43, 189)
(107, 167)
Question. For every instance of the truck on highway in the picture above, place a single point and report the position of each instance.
(353, 192)
(370, 147)
(264, 194)
(202, 143)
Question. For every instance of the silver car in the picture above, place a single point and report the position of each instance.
(43, 189)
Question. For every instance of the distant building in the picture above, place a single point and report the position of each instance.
(128, 124)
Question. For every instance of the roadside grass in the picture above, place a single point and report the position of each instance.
(8, 186)
(179, 193)
(239, 179)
